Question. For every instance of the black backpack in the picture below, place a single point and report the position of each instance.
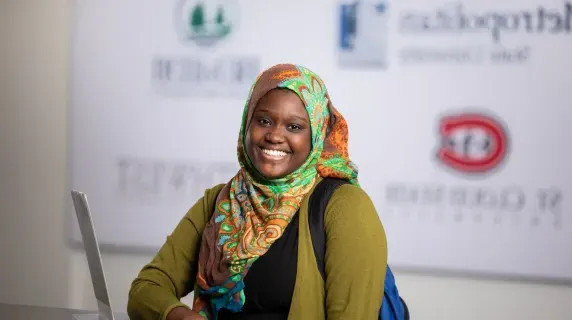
(393, 306)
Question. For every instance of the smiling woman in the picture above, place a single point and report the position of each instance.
(245, 247)
(278, 139)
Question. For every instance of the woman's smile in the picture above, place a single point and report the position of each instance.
(273, 154)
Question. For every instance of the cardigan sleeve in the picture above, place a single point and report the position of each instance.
(171, 274)
(356, 256)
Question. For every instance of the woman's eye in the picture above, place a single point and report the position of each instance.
(264, 121)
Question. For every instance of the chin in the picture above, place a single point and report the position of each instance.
(272, 174)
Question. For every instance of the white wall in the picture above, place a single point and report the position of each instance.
(35, 265)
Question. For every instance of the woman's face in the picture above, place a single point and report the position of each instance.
(278, 139)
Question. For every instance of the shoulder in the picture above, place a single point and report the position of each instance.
(349, 196)
(350, 192)
(353, 205)
(204, 206)
(351, 217)
(212, 193)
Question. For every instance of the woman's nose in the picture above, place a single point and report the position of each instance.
(275, 135)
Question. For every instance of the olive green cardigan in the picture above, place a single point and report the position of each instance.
(356, 258)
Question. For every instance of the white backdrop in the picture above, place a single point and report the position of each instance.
(156, 109)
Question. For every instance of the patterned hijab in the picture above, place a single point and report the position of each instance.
(251, 211)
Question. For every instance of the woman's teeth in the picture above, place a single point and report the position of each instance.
(274, 153)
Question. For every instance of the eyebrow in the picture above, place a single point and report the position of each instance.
(264, 110)
(300, 118)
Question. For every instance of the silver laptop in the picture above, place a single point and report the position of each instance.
(105, 312)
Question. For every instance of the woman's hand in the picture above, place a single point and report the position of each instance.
(182, 313)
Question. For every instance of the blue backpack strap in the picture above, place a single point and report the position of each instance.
(316, 210)
(393, 306)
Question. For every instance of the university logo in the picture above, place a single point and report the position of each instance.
(204, 73)
(472, 142)
(206, 22)
(363, 34)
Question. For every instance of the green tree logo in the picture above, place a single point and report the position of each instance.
(198, 17)
(207, 22)
(219, 16)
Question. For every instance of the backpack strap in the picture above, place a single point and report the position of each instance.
(316, 212)
(394, 307)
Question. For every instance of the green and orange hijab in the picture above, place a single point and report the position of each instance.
(252, 212)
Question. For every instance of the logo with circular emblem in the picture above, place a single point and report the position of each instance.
(472, 142)
(206, 22)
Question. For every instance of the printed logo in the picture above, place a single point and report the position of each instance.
(472, 142)
(204, 74)
(206, 22)
(450, 33)
(498, 36)
(363, 34)
(455, 18)
(152, 181)
(475, 143)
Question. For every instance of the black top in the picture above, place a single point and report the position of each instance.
(269, 284)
